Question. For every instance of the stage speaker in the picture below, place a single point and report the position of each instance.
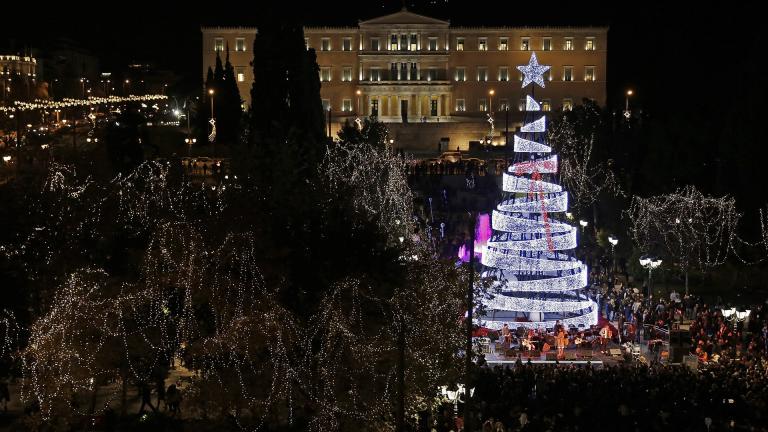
(551, 356)
(679, 345)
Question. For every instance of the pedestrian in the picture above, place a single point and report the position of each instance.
(160, 389)
(5, 395)
(146, 397)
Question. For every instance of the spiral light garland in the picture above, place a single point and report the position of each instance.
(535, 281)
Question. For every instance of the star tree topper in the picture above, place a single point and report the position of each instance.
(533, 72)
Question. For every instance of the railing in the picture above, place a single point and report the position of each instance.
(411, 76)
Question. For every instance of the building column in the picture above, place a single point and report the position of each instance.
(439, 105)
(420, 98)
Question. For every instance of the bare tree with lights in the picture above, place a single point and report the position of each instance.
(694, 229)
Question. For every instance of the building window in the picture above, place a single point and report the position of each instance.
(525, 44)
(375, 44)
(568, 46)
(567, 105)
(568, 73)
(461, 74)
(374, 107)
(482, 74)
(414, 42)
(414, 71)
(548, 74)
(218, 44)
(325, 74)
(432, 44)
(306, 42)
(590, 44)
(589, 73)
(460, 44)
(546, 105)
(433, 107)
(482, 44)
(240, 44)
(240, 73)
(403, 71)
(504, 104)
(393, 71)
(346, 105)
(482, 104)
(521, 105)
(460, 105)
(346, 73)
(375, 74)
(547, 44)
(393, 43)
(325, 44)
(503, 73)
(346, 44)
(326, 104)
(503, 44)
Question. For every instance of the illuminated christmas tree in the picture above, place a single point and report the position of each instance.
(536, 281)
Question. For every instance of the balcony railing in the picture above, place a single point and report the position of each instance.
(422, 77)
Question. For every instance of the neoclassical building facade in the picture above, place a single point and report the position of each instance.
(410, 68)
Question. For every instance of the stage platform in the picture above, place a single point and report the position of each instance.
(615, 354)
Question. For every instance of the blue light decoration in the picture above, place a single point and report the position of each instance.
(535, 280)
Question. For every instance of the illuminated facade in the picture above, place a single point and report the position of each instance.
(409, 67)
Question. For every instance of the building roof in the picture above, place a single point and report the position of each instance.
(404, 17)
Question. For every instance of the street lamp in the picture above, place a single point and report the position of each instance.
(583, 224)
(189, 142)
(358, 93)
(650, 263)
(211, 92)
(627, 114)
(491, 93)
(613, 241)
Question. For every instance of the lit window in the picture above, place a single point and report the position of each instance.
(503, 44)
(546, 105)
(482, 104)
(240, 74)
(375, 44)
(375, 74)
(374, 107)
(346, 44)
(482, 44)
(240, 44)
(414, 42)
(346, 105)
(590, 44)
(393, 43)
(460, 105)
(325, 74)
(525, 44)
(325, 44)
(504, 104)
(547, 44)
(326, 104)
(503, 73)
(568, 73)
(482, 74)
(218, 44)
(568, 46)
(404, 42)
(433, 44)
(346, 73)
(461, 74)
(589, 73)
(567, 105)
(460, 44)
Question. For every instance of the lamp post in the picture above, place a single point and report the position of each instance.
(358, 93)
(613, 241)
(650, 263)
(627, 114)
(127, 87)
(583, 224)
(490, 105)
(189, 141)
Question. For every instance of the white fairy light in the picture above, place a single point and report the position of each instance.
(546, 165)
(531, 104)
(533, 72)
(523, 145)
(511, 183)
(554, 202)
(537, 126)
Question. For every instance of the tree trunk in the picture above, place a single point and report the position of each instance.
(401, 378)
(124, 398)
(686, 281)
(468, 348)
